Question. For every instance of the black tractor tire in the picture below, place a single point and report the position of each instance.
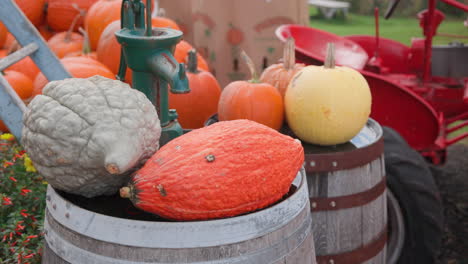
(410, 180)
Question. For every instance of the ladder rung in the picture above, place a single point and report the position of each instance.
(18, 55)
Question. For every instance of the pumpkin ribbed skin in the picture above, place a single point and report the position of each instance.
(21, 83)
(278, 76)
(181, 55)
(60, 13)
(223, 170)
(108, 50)
(203, 96)
(26, 66)
(33, 9)
(258, 102)
(101, 14)
(61, 44)
(78, 67)
(164, 22)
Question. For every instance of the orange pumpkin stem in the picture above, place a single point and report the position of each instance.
(81, 12)
(330, 59)
(289, 57)
(86, 46)
(192, 64)
(251, 66)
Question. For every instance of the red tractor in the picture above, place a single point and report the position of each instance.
(420, 95)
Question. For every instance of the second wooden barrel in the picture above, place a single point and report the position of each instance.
(347, 190)
(279, 234)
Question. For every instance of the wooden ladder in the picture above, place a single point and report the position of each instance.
(33, 45)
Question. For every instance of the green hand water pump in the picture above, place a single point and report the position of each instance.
(149, 54)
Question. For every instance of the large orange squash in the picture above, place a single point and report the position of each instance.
(253, 100)
(101, 14)
(223, 170)
(108, 50)
(78, 67)
(181, 55)
(279, 75)
(60, 13)
(195, 107)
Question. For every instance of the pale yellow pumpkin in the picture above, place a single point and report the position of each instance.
(327, 105)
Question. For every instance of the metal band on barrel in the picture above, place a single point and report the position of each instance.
(327, 162)
(348, 201)
(359, 255)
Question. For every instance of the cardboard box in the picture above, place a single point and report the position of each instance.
(220, 29)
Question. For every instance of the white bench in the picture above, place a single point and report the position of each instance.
(329, 7)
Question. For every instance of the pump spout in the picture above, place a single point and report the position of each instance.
(164, 65)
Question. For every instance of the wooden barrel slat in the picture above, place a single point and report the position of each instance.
(344, 229)
(280, 234)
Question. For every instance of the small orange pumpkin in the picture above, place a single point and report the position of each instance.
(253, 100)
(101, 14)
(67, 42)
(108, 50)
(181, 55)
(61, 13)
(195, 107)
(86, 50)
(279, 75)
(26, 66)
(78, 67)
(22, 85)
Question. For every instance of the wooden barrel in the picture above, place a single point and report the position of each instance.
(348, 199)
(278, 234)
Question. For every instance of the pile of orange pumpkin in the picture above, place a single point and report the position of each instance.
(81, 34)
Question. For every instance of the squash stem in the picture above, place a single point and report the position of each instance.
(289, 57)
(251, 66)
(330, 59)
(81, 12)
(192, 64)
(86, 47)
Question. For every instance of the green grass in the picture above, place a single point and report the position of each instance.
(401, 29)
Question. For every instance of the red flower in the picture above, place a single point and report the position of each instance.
(25, 191)
(7, 201)
(7, 163)
(23, 213)
(12, 178)
(33, 236)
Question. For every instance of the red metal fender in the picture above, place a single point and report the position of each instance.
(403, 110)
(394, 55)
(311, 45)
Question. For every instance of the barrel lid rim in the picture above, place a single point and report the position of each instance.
(225, 231)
